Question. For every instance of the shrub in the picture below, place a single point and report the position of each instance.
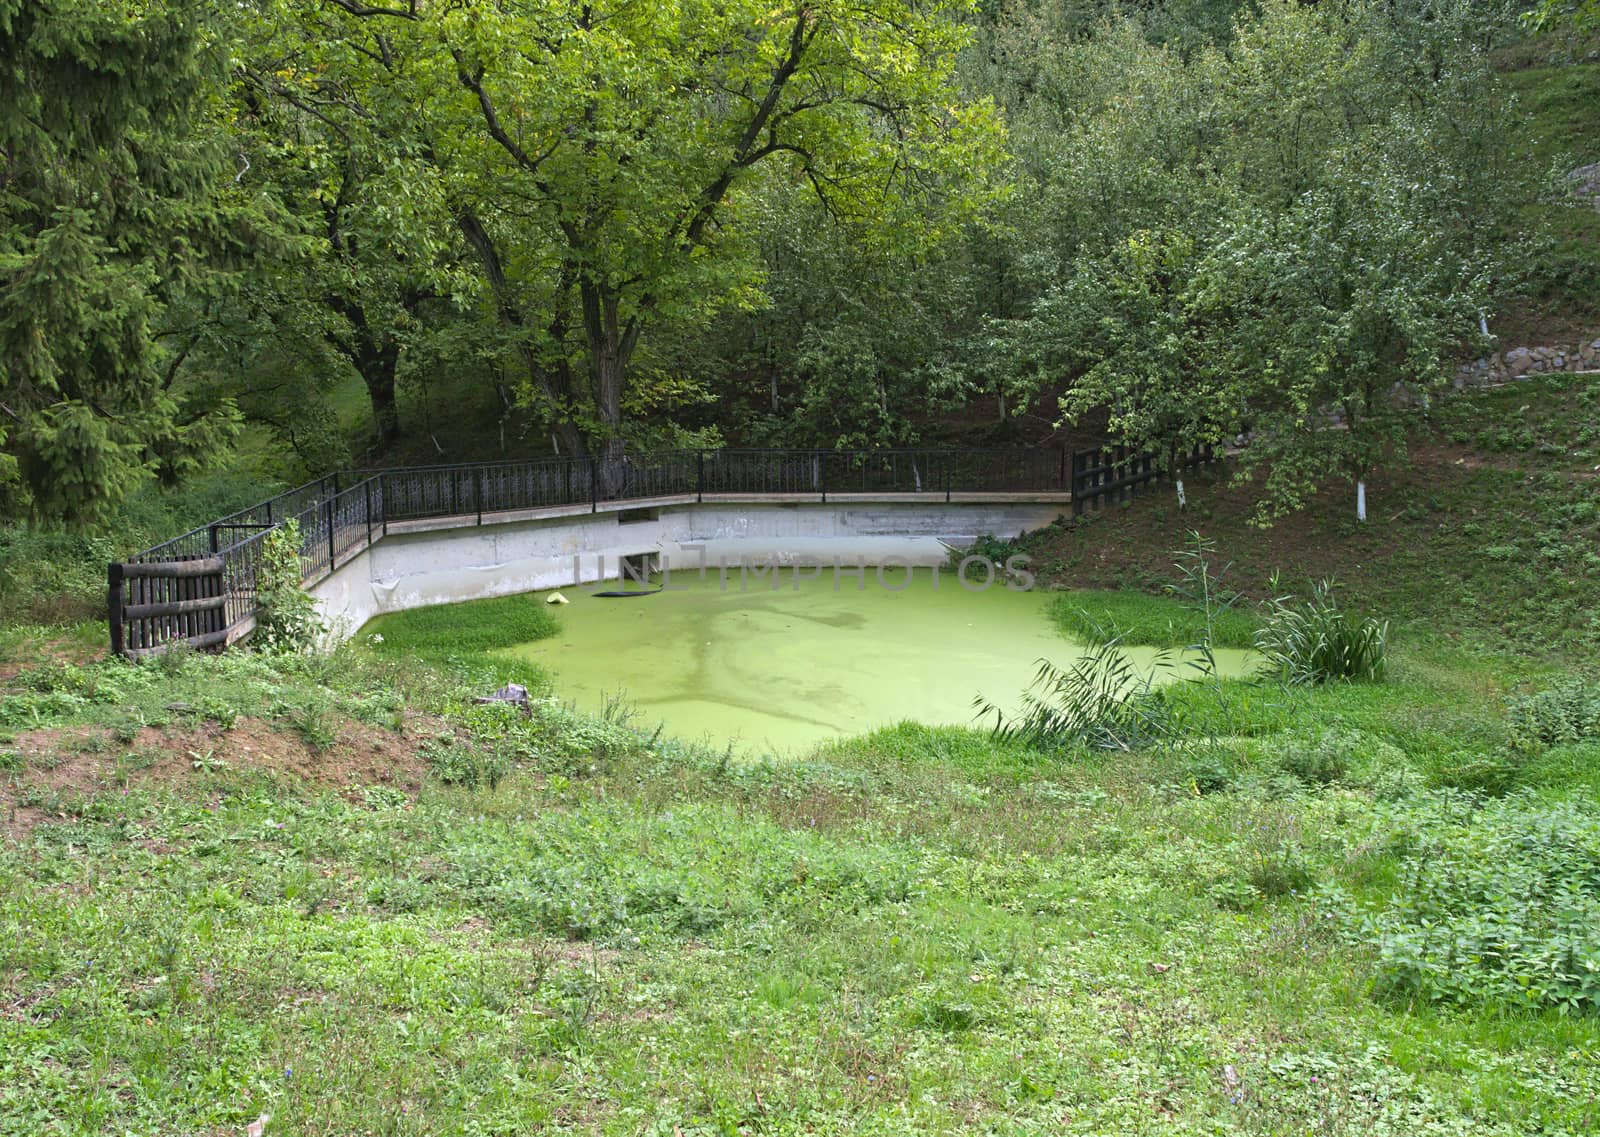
(1501, 907)
(1320, 763)
(1567, 712)
(286, 615)
(1311, 640)
(1100, 701)
(468, 766)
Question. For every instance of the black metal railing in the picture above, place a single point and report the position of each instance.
(342, 514)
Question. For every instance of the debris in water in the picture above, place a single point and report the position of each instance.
(556, 598)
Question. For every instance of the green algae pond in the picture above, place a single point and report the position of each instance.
(780, 665)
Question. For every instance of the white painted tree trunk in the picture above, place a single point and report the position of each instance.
(1483, 324)
(1361, 500)
(1183, 502)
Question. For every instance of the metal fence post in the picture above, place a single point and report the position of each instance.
(328, 510)
(594, 485)
(367, 485)
(383, 501)
(477, 491)
(699, 475)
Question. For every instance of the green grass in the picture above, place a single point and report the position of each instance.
(1138, 618)
(474, 627)
(914, 931)
(1563, 109)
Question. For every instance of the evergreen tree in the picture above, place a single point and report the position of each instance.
(110, 204)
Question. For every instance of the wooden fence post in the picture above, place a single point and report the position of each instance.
(114, 606)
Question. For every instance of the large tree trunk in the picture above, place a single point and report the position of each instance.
(377, 363)
(554, 383)
(611, 343)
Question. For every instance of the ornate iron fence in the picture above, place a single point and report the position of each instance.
(200, 587)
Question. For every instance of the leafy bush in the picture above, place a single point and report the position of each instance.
(52, 576)
(1311, 640)
(469, 766)
(286, 615)
(1567, 712)
(56, 576)
(1341, 755)
(1502, 907)
(1494, 773)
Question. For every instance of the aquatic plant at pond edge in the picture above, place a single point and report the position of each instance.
(1311, 640)
(1100, 701)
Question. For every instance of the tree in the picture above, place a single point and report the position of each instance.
(1277, 236)
(379, 241)
(1548, 15)
(597, 154)
(1129, 320)
(113, 199)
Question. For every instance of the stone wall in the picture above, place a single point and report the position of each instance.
(1521, 362)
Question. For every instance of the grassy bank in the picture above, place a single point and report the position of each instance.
(339, 892)
(1489, 537)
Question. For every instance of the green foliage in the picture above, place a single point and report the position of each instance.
(1279, 277)
(1101, 701)
(1312, 640)
(468, 766)
(1567, 712)
(1500, 906)
(1550, 15)
(114, 201)
(918, 901)
(286, 614)
(1136, 618)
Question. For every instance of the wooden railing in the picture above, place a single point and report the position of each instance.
(1116, 473)
(200, 587)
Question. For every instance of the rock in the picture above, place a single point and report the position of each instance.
(1585, 182)
(514, 693)
(1519, 361)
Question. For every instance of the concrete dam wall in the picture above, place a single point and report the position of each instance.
(455, 559)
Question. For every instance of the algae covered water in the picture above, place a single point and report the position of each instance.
(778, 665)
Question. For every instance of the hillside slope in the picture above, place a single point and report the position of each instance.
(1491, 534)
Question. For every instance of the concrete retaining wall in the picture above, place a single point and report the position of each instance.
(444, 565)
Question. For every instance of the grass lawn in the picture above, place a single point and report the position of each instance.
(338, 892)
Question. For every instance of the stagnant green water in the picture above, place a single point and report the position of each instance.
(781, 669)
